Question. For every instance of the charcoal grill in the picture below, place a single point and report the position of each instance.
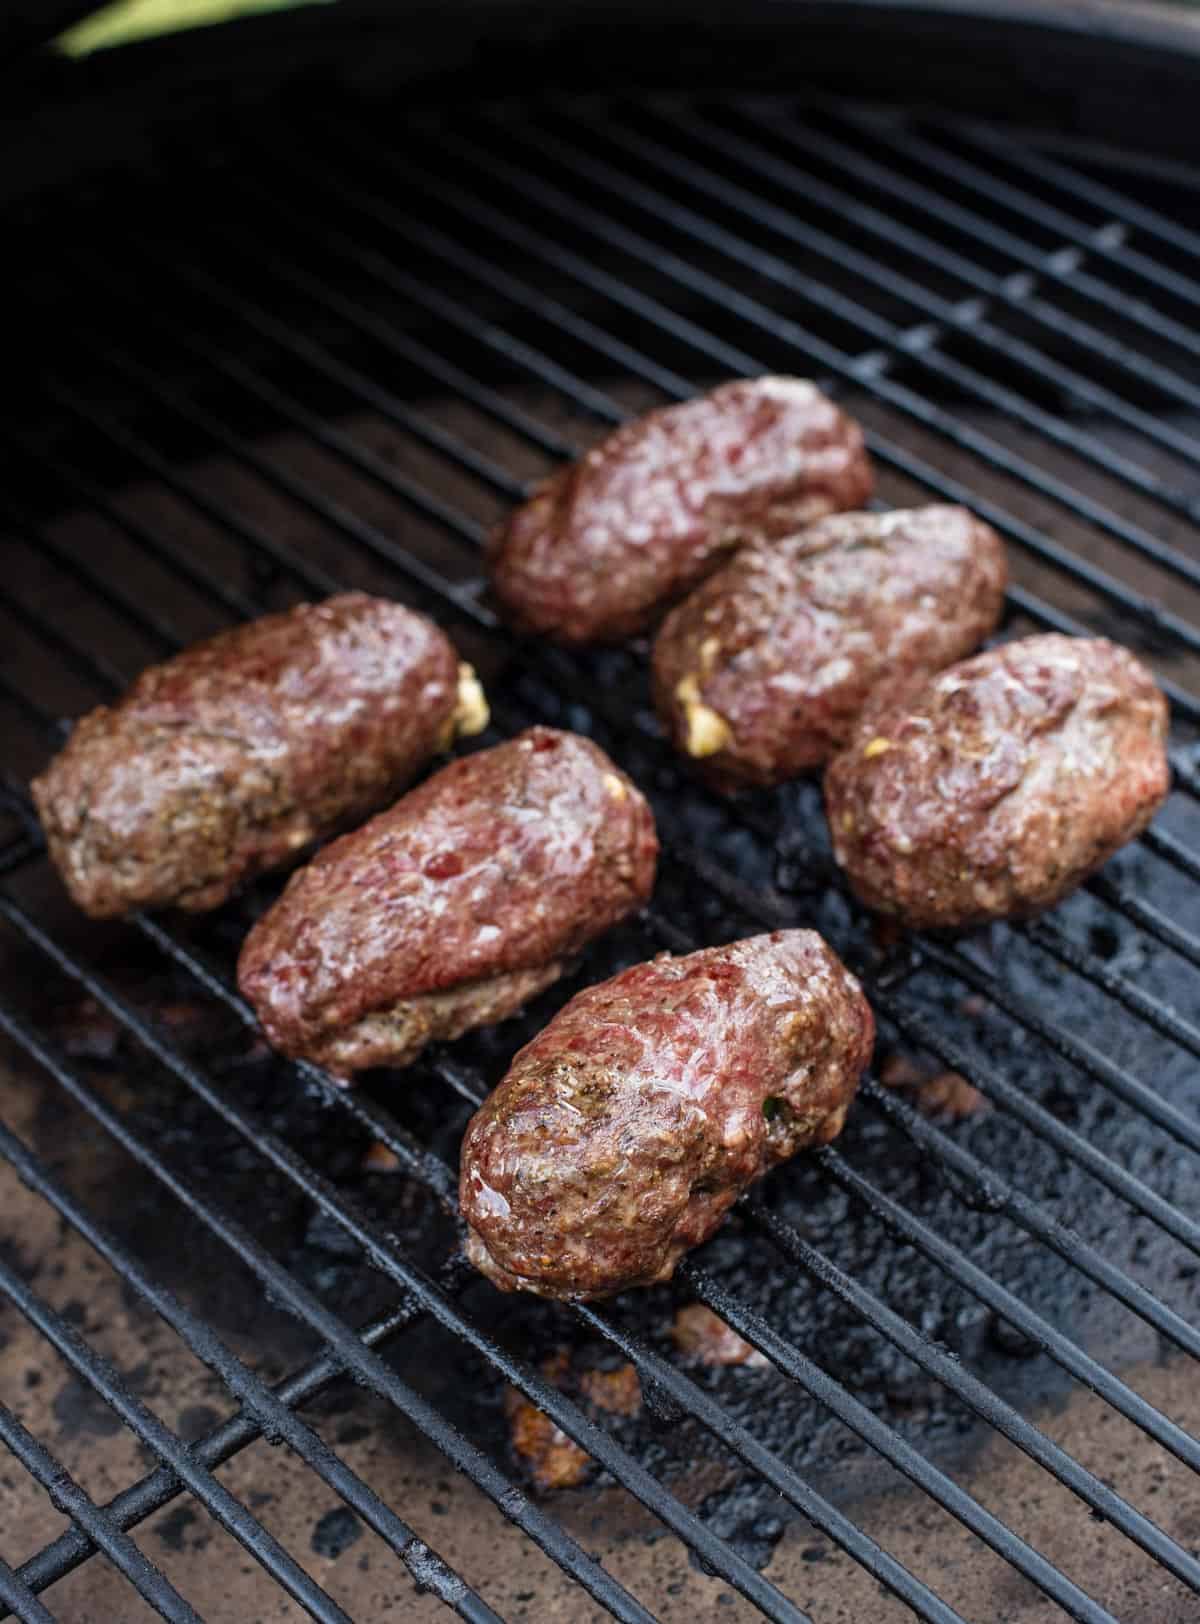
(317, 321)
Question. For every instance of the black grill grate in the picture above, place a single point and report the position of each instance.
(1015, 334)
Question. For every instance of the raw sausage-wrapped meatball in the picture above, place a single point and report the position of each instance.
(603, 547)
(229, 758)
(454, 907)
(763, 670)
(996, 788)
(626, 1129)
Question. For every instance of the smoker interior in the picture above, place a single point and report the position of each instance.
(326, 341)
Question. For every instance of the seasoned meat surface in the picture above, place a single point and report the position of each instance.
(229, 758)
(627, 1128)
(454, 907)
(761, 673)
(602, 547)
(993, 790)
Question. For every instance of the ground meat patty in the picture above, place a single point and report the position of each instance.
(602, 547)
(763, 670)
(229, 758)
(626, 1129)
(997, 787)
(454, 907)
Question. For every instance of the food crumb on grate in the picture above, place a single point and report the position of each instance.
(553, 1460)
(942, 1093)
(704, 1338)
(377, 1158)
(618, 1391)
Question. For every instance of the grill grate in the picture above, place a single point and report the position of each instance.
(1014, 348)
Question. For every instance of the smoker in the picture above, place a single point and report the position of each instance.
(308, 301)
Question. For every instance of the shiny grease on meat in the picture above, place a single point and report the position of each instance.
(762, 672)
(997, 787)
(623, 1133)
(454, 907)
(604, 546)
(229, 758)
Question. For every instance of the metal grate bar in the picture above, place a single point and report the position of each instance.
(229, 1512)
(1140, 1196)
(37, 714)
(407, 490)
(750, 1325)
(355, 382)
(364, 1111)
(951, 1497)
(950, 1372)
(890, 335)
(429, 1570)
(67, 1497)
(413, 494)
(967, 315)
(1173, 851)
(351, 1353)
(383, 1254)
(931, 1485)
(351, 453)
(684, 1392)
(175, 559)
(780, 329)
(188, 490)
(306, 495)
(1047, 1127)
(525, 356)
(380, 331)
(1069, 1045)
(1062, 268)
(909, 1230)
(475, 1095)
(1144, 1199)
(1106, 241)
(881, 1438)
(775, 913)
(94, 668)
(159, 1487)
(1000, 1197)
(607, 230)
(20, 1600)
(105, 587)
(1145, 916)
(1117, 204)
(1142, 1004)
(675, 386)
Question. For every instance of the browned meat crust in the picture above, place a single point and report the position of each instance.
(623, 1133)
(761, 673)
(452, 908)
(996, 788)
(605, 545)
(229, 758)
